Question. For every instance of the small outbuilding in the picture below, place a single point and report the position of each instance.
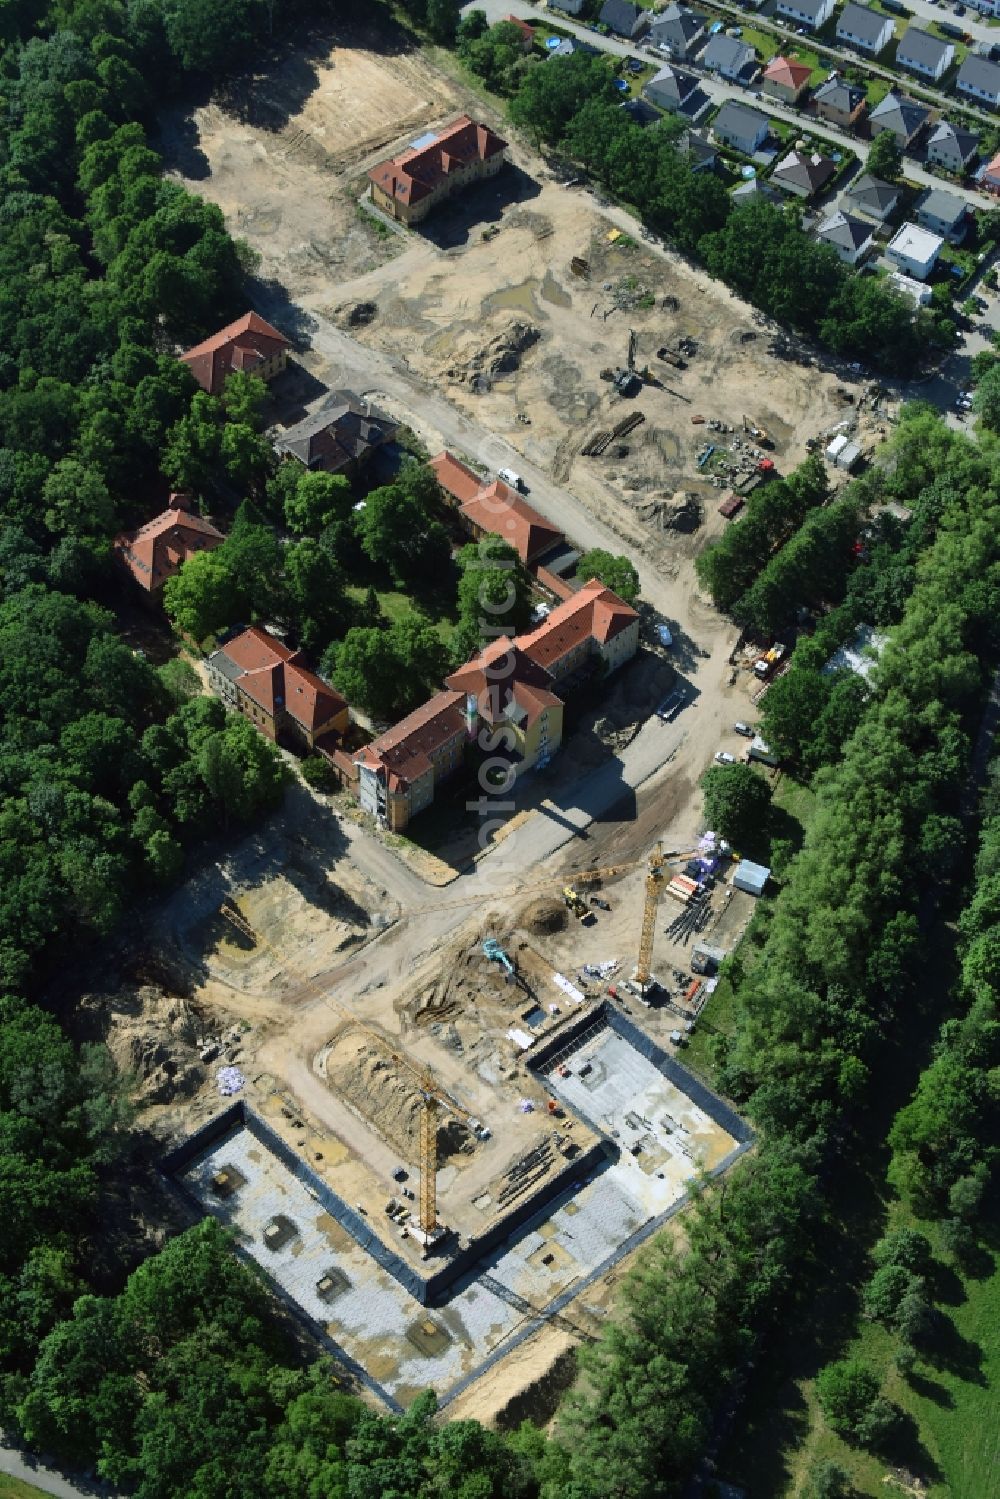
(751, 877)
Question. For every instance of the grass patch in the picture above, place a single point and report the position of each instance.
(876, 90)
(394, 605)
(766, 43)
(820, 69)
(14, 1488)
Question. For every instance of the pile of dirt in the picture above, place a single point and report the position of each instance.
(387, 1097)
(545, 916)
(500, 355)
(155, 1039)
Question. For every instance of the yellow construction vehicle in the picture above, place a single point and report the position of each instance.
(576, 902)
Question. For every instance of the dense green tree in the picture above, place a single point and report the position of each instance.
(885, 159)
(388, 672)
(616, 573)
(986, 400)
(314, 501)
(737, 802)
(846, 1391)
(494, 595)
(398, 532)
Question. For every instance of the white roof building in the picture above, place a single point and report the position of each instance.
(914, 251)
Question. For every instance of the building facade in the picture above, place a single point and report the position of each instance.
(259, 676)
(409, 186)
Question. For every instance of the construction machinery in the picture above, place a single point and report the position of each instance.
(496, 954)
(759, 434)
(575, 902)
(433, 1098)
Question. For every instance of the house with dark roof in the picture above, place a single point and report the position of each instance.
(850, 237)
(697, 149)
(810, 13)
(872, 196)
(568, 7)
(257, 675)
(679, 29)
(927, 55)
(785, 79)
(979, 79)
(249, 346)
(495, 510)
(903, 116)
(841, 102)
(741, 127)
(951, 147)
(802, 174)
(869, 31)
(159, 549)
(640, 113)
(943, 213)
(340, 438)
(408, 186)
(568, 47)
(624, 19)
(678, 92)
(730, 58)
(755, 190)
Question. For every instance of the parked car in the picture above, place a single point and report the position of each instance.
(723, 757)
(743, 728)
(509, 477)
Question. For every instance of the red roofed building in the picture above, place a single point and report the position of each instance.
(527, 32)
(399, 771)
(409, 185)
(259, 675)
(990, 179)
(594, 621)
(785, 79)
(496, 509)
(249, 345)
(158, 549)
(510, 702)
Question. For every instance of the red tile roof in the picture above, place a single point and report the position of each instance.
(272, 674)
(784, 70)
(505, 683)
(991, 171)
(240, 346)
(415, 174)
(496, 508)
(594, 612)
(157, 550)
(528, 32)
(403, 752)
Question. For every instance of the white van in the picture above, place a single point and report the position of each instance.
(510, 478)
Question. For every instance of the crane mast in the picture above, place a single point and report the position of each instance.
(654, 882)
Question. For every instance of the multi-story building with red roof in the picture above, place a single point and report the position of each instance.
(250, 346)
(159, 549)
(260, 677)
(408, 186)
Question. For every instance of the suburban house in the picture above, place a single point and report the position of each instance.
(495, 509)
(979, 79)
(872, 196)
(340, 438)
(641, 113)
(942, 213)
(399, 771)
(951, 147)
(527, 32)
(811, 13)
(741, 127)
(922, 53)
(408, 186)
(840, 102)
(697, 149)
(568, 46)
(249, 346)
(568, 7)
(868, 30)
(915, 251)
(509, 695)
(679, 29)
(259, 676)
(678, 92)
(624, 19)
(730, 58)
(803, 175)
(904, 117)
(914, 291)
(850, 237)
(989, 177)
(785, 79)
(756, 191)
(160, 548)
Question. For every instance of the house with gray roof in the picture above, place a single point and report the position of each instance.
(679, 29)
(624, 19)
(919, 52)
(870, 31)
(979, 79)
(840, 102)
(801, 174)
(741, 127)
(678, 92)
(568, 46)
(756, 191)
(811, 13)
(951, 147)
(872, 196)
(730, 58)
(341, 437)
(943, 213)
(641, 113)
(850, 237)
(697, 150)
(568, 7)
(904, 117)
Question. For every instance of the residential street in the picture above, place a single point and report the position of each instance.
(717, 89)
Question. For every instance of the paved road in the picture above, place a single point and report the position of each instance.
(14, 1463)
(719, 91)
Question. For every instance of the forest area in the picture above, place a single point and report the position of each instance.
(155, 1373)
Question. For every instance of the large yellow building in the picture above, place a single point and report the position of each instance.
(408, 186)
